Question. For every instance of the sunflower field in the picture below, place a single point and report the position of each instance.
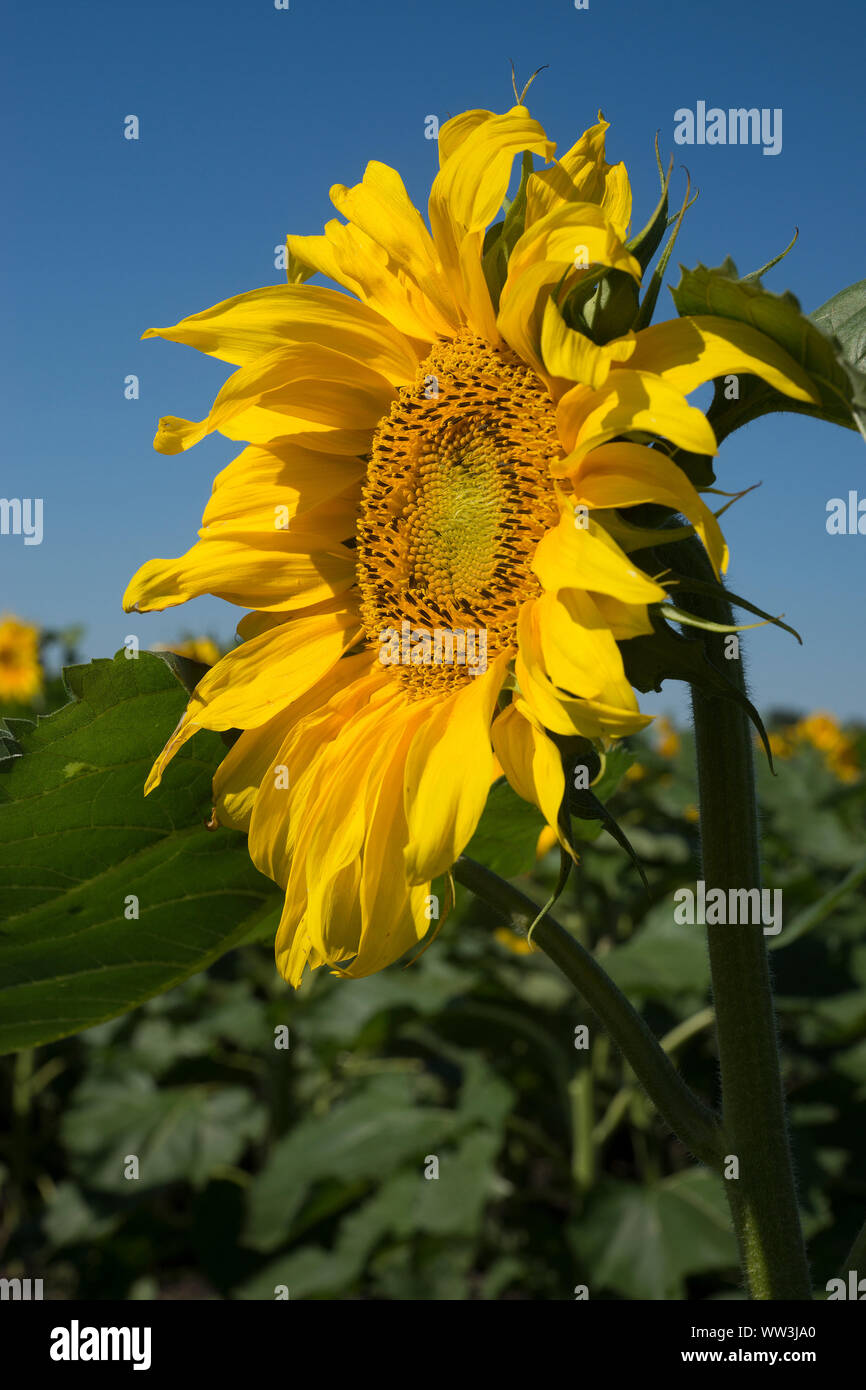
(456, 1129)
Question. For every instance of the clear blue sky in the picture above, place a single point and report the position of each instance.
(248, 115)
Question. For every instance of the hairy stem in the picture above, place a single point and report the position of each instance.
(762, 1196)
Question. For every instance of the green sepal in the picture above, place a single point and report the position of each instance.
(665, 655)
(648, 303)
(502, 237)
(584, 804)
(646, 242)
(605, 308)
(603, 775)
(679, 615)
(719, 591)
(830, 346)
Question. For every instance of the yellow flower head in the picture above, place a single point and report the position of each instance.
(823, 732)
(20, 671)
(419, 522)
(667, 738)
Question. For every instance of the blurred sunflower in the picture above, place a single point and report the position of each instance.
(21, 676)
(201, 649)
(823, 732)
(438, 447)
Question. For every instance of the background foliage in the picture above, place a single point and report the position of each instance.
(304, 1166)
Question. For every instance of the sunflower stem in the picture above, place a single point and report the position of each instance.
(692, 1121)
(762, 1196)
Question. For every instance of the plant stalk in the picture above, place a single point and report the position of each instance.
(762, 1197)
(692, 1121)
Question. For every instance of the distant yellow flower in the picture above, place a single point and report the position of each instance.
(515, 942)
(823, 732)
(202, 649)
(781, 745)
(20, 672)
(667, 738)
(438, 447)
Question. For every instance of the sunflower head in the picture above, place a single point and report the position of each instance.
(448, 445)
(21, 677)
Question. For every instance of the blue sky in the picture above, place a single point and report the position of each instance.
(248, 115)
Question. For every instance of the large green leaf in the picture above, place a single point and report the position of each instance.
(78, 840)
(357, 1140)
(175, 1133)
(644, 1241)
(828, 346)
(405, 1206)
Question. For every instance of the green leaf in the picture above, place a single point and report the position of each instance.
(78, 840)
(507, 834)
(839, 382)
(663, 960)
(843, 319)
(405, 1206)
(179, 1132)
(644, 1241)
(358, 1139)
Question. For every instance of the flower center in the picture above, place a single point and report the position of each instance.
(458, 494)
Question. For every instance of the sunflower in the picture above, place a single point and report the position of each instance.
(20, 671)
(434, 450)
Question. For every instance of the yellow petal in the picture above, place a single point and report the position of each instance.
(361, 263)
(582, 174)
(251, 575)
(284, 810)
(471, 185)
(249, 326)
(255, 681)
(448, 769)
(572, 234)
(468, 192)
(531, 762)
(687, 352)
(453, 133)
(382, 209)
(585, 557)
(557, 710)
(576, 357)
(625, 620)
(629, 400)
(625, 475)
(240, 774)
(304, 383)
(302, 479)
